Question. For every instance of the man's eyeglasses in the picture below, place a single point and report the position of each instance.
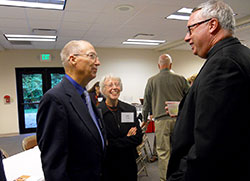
(92, 56)
(199, 23)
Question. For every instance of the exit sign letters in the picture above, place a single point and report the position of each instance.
(45, 57)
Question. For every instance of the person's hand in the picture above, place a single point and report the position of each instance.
(132, 131)
(143, 124)
(166, 108)
(151, 117)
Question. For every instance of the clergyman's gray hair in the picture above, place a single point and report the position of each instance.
(219, 10)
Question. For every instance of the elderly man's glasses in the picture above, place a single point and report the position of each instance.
(92, 56)
(190, 29)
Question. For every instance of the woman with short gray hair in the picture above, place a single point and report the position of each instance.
(123, 132)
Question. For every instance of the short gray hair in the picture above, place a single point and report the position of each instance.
(219, 10)
(165, 59)
(72, 47)
(108, 77)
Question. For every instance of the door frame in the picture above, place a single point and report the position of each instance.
(46, 80)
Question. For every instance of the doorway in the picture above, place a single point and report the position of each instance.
(32, 83)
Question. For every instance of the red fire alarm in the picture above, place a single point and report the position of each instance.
(6, 99)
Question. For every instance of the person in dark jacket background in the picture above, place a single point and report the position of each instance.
(95, 94)
(123, 132)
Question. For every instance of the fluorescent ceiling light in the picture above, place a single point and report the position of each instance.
(28, 36)
(178, 17)
(144, 40)
(13, 37)
(30, 39)
(181, 14)
(58, 5)
(185, 10)
(138, 43)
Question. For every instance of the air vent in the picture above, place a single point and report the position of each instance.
(42, 31)
(144, 36)
(20, 42)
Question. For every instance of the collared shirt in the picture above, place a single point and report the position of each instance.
(81, 90)
(78, 87)
(164, 86)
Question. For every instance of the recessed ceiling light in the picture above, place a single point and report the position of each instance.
(30, 39)
(181, 14)
(124, 7)
(16, 37)
(185, 10)
(54, 4)
(144, 40)
(178, 17)
(138, 43)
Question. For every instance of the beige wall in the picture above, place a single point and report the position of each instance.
(133, 66)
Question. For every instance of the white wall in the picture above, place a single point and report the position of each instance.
(133, 66)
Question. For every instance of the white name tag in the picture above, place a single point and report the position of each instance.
(100, 99)
(127, 117)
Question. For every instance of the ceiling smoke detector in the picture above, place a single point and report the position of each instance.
(124, 7)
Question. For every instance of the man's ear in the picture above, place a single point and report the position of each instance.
(213, 25)
(72, 59)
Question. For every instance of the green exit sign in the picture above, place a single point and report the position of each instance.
(45, 57)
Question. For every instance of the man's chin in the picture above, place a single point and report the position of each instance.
(94, 75)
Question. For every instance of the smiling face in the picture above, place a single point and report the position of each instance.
(112, 89)
(198, 35)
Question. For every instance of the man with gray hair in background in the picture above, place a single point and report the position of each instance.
(211, 139)
(164, 86)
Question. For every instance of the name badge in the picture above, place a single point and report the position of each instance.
(100, 99)
(127, 117)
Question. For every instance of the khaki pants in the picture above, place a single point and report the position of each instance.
(163, 130)
(154, 147)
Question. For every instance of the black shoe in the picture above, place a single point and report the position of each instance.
(153, 159)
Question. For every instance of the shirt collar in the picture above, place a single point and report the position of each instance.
(78, 87)
(164, 70)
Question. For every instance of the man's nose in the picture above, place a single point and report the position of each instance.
(187, 37)
(97, 61)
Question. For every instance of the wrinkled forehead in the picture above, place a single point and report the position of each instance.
(86, 47)
(111, 80)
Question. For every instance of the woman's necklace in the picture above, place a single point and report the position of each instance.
(111, 108)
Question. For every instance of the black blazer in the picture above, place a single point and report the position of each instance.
(211, 139)
(120, 161)
(70, 144)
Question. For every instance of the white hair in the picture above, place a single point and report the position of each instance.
(165, 59)
(108, 77)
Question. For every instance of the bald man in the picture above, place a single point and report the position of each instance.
(164, 86)
(70, 134)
